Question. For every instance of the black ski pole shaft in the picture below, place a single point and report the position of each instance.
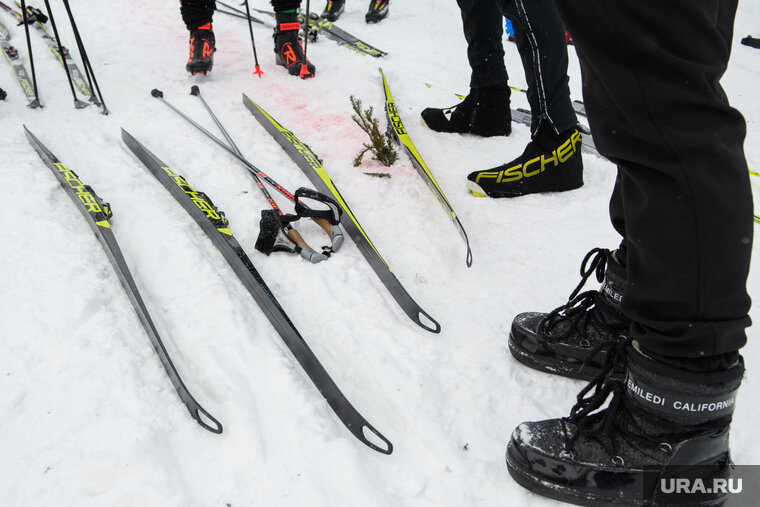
(258, 70)
(89, 72)
(304, 69)
(77, 103)
(197, 92)
(29, 46)
(251, 168)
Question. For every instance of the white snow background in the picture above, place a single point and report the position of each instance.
(88, 416)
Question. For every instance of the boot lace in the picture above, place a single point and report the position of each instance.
(608, 427)
(576, 310)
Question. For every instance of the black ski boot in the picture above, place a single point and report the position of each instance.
(202, 48)
(570, 341)
(287, 46)
(333, 10)
(2, 94)
(484, 112)
(550, 163)
(663, 425)
(377, 11)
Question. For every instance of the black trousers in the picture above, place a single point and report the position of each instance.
(682, 200)
(197, 13)
(540, 37)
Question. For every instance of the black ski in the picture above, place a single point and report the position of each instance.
(396, 127)
(17, 66)
(343, 38)
(316, 25)
(213, 223)
(311, 166)
(97, 213)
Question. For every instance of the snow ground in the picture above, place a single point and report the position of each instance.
(89, 416)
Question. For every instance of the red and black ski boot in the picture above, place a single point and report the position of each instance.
(202, 48)
(287, 46)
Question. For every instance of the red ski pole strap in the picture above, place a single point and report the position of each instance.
(295, 25)
(698, 408)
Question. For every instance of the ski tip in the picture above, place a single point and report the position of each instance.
(155, 92)
(194, 90)
(476, 189)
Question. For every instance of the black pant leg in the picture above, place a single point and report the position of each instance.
(483, 30)
(657, 110)
(285, 5)
(540, 38)
(197, 13)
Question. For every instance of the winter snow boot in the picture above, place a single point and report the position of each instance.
(333, 9)
(662, 426)
(550, 163)
(287, 45)
(202, 50)
(484, 112)
(377, 11)
(572, 340)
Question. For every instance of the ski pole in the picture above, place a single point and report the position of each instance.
(304, 69)
(78, 104)
(29, 46)
(306, 251)
(89, 72)
(258, 70)
(332, 230)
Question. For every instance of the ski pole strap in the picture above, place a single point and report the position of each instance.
(328, 219)
(332, 214)
(277, 235)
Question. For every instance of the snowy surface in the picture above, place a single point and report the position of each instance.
(89, 417)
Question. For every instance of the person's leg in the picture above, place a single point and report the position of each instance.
(197, 13)
(485, 111)
(552, 161)
(198, 16)
(541, 42)
(683, 202)
(287, 44)
(684, 194)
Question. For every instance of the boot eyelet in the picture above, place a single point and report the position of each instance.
(617, 460)
(585, 343)
(666, 447)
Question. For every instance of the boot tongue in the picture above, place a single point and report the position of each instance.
(613, 287)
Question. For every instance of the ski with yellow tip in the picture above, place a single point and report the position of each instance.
(98, 213)
(212, 221)
(396, 127)
(312, 167)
